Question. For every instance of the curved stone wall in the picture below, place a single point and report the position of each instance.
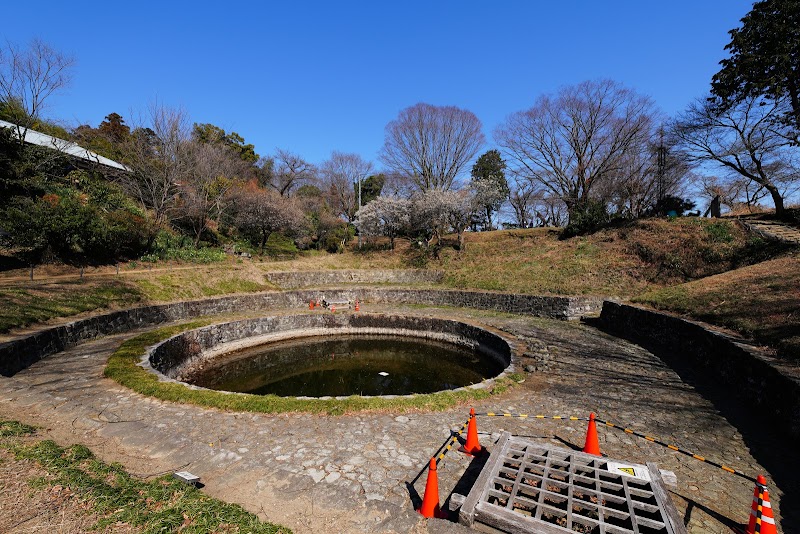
(176, 356)
(747, 371)
(22, 353)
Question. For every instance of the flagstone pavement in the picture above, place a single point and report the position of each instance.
(349, 473)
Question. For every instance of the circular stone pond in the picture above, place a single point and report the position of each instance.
(333, 355)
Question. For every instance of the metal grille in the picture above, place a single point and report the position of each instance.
(530, 487)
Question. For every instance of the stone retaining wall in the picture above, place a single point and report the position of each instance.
(22, 353)
(745, 370)
(175, 357)
(297, 279)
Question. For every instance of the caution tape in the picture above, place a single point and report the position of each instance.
(627, 431)
(528, 416)
(443, 449)
(450, 442)
(675, 448)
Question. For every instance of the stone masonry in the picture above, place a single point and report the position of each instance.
(19, 354)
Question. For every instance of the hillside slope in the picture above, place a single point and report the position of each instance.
(623, 261)
(759, 301)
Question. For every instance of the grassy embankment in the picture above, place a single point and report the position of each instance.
(648, 259)
(759, 301)
(80, 485)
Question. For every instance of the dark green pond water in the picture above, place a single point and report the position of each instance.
(348, 365)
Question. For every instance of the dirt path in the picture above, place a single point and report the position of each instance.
(45, 278)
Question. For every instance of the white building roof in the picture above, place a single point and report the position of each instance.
(37, 138)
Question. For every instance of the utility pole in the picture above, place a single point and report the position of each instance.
(661, 162)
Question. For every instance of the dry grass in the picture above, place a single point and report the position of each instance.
(623, 262)
(52, 509)
(40, 302)
(638, 257)
(760, 301)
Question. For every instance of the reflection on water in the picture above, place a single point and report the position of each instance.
(347, 365)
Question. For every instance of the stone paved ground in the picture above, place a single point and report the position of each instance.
(348, 473)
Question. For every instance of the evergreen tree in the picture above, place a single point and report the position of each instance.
(764, 58)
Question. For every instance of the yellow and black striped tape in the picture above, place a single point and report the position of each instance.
(527, 416)
(450, 443)
(675, 448)
(441, 451)
(627, 431)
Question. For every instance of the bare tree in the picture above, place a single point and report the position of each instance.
(28, 78)
(522, 198)
(263, 211)
(437, 212)
(159, 160)
(432, 144)
(398, 185)
(733, 193)
(550, 211)
(213, 171)
(534, 206)
(290, 171)
(646, 177)
(342, 174)
(385, 216)
(573, 141)
(746, 139)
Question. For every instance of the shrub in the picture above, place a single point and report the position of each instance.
(586, 218)
(671, 206)
(72, 228)
(280, 246)
(169, 246)
(335, 239)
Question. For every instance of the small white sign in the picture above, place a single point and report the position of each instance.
(629, 470)
(187, 477)
(383, 373)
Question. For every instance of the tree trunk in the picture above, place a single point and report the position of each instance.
(777, 199)
(795, 101)
(263, 240)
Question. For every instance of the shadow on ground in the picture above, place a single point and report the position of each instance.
(771, 447)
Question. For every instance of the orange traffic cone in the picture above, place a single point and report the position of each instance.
(357, 306)
(761, 518)
(592, 445)
(430, 501)
(310, 304)
(472, 447)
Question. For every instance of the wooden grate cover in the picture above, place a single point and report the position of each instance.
(534, 487)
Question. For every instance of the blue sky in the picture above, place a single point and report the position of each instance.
(314, 77)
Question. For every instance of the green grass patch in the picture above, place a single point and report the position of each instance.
(187, 285)
(233, 285)
(161, 505)
(23, 307)
(123, 367)
(15, 429)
